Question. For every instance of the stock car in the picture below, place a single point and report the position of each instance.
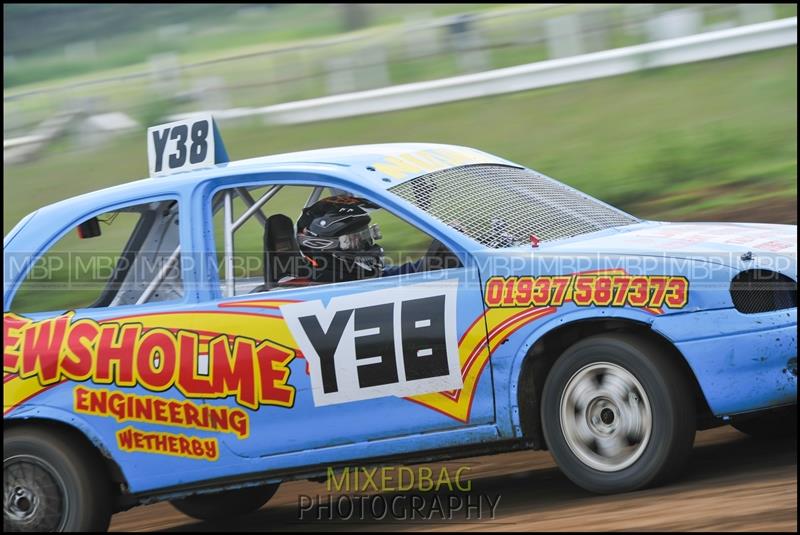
(538, 317)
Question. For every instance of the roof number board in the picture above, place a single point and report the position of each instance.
(184, 145)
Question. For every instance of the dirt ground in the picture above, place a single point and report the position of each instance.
(733, 483)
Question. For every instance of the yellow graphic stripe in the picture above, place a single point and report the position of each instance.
(248, 325)
(17, 390)
(474, 353)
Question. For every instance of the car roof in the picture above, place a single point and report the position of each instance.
(378, 166)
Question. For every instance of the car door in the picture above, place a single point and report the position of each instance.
(372, 359)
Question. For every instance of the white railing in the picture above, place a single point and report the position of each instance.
(716, 44)
(703, 46)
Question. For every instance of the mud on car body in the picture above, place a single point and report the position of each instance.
(536, 317)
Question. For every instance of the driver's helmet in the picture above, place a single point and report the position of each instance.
(335, 236)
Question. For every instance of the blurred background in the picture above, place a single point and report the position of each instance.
(680, 112)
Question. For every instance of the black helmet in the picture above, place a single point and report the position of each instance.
(336, 237)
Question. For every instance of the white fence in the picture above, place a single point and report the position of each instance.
(613, 62)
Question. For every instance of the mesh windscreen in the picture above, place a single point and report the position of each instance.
(502, 206)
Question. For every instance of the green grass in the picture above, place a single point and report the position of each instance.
(629, 140)
(267, 72)
(209, 30)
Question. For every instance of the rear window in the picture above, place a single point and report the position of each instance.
(132, 256)
(502, 206)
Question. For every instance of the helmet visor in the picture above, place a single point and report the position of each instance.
(360, 240)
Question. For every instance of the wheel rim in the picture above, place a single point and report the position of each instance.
(34, 497)
(606, 417)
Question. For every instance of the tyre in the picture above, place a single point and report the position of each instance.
(618, 414)
(52, 483)
(222, 505)
(772, 424)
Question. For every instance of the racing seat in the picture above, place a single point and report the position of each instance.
(281, 252)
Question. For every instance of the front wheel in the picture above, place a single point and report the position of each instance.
(221, 505)
(52, 483)
(618, 414)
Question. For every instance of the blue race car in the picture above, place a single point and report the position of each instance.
(204, 334)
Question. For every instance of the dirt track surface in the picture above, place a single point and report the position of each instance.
(733, 483)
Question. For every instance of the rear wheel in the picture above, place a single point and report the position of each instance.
(771, 424)
(51, 484)
(618, 414)
(221, 505)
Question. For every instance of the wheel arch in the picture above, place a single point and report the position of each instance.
(76, 434)
(542, 349)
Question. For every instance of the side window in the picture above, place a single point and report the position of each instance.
(402, 243)
(125, 257)
(250, 208)
(277, 236)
